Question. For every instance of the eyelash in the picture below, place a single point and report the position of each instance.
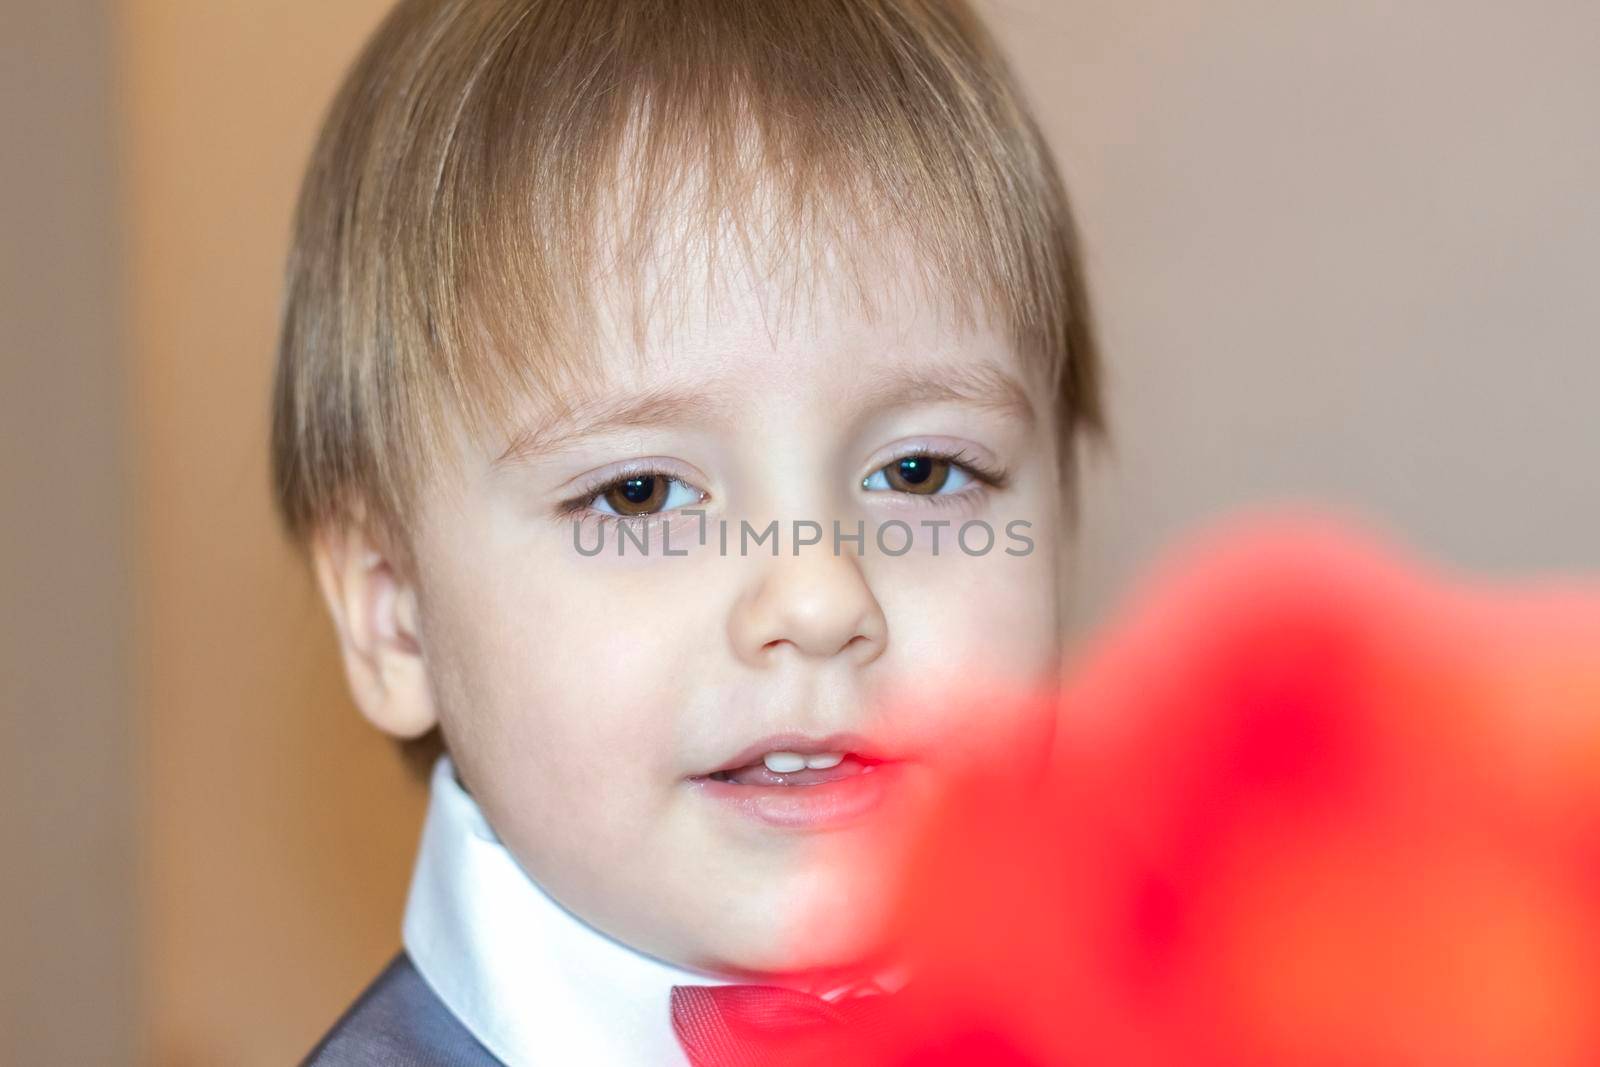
(993, 477)
(990, 476)
(581, 505)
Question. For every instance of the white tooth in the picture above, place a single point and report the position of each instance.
(823, 760)
(784, 762)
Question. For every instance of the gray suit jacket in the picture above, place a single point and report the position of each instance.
(399, 1022)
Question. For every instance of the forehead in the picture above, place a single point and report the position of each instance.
(705, 341)
(813, 314)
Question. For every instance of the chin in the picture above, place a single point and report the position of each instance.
(834, 923)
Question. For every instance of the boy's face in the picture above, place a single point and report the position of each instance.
(587, 700)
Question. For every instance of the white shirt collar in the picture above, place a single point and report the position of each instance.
(534, 983)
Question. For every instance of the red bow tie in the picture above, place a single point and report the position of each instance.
(765, 1026)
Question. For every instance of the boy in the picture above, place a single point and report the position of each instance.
(678, 401)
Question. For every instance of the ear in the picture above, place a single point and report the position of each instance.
(375, 613)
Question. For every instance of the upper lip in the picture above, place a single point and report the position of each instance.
(805, 745)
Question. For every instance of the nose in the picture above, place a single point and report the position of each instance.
(818, 604)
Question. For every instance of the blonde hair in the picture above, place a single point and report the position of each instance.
(486, 161)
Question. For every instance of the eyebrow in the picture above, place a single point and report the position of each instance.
(985, 387)
(591, 417)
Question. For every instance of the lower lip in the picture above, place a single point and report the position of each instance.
(825, 806)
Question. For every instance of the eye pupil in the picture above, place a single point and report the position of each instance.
(924, 475)
(915, 470)
(641, 495)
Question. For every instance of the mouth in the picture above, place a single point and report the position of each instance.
(797, 761)
(795, 783)
(795, 769)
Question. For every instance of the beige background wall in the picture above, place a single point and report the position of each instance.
(1342, 249)
(1345, 250)
(67, 951)
(278, 829)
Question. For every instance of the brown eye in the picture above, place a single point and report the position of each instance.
(643, 495)
(924, 475)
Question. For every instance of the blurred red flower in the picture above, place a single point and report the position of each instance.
(1314, 805)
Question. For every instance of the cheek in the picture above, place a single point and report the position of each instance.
(543, 696)
(994, 618)
(977, 654)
